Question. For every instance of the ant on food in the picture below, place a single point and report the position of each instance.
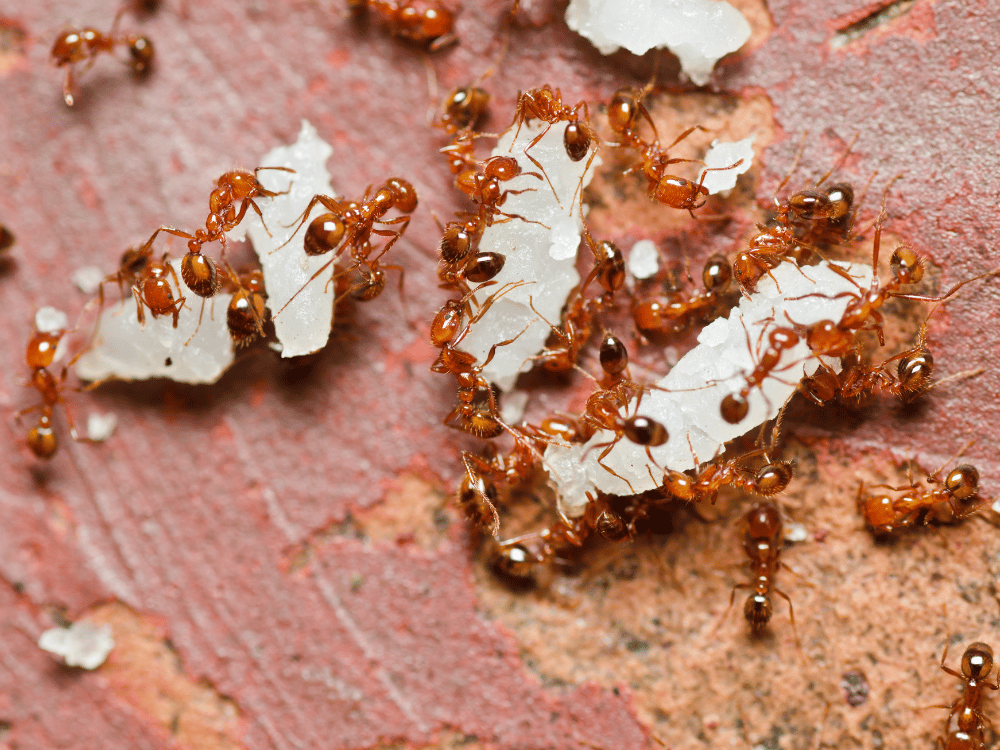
(197, 270)
(247, 313)
(966, 711)
(959, 489)
(75, 46)
(150, 283)
(735, 406)
(656, 316)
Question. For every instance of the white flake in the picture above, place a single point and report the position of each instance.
(644, 260)
(722, 155)
(82, 644)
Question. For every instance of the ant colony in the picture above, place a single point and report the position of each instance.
(536, 308)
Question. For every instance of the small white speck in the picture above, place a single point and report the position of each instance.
(796, 532)
(101, 426)
(82, 644)
(644, 260)
(50, 320)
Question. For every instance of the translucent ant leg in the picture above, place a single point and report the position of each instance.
(466, 457)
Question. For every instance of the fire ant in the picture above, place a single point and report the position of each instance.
(247, 313)
(657, 315)
(966, 711)
(478, 492)
(420, 21)
(959, 489)
(463, 109)
(197, 270)
(150, 283)
(762, 540)
(78, 45)
(40, 354)
(735, 406)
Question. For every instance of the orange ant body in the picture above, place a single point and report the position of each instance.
(150, 283)
(463, 109)
(769, 480)
(76, 46)
(677, 192)
(657, 315)
(246, 313)
(478, 493)
(420, 21)
(197, 270)
(966, 711)
(762, 541)
(734, 407)
(39, 357)
(885, 514)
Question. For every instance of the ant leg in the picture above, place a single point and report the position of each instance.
(732, 601)
(949, 670)
(270, 193)
(466, 459)
(145, 249)
(539, 164)
(139, 304)
(68, 87)
(308, 281)
(600, 461)
(684, 135)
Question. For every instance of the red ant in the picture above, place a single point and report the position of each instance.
(478, 492)
(657, 315)
(40, 354)
(571, 336)
(150, 283)
(463, 109)
(829, 214)
(78, 45)
(351, 225)
(966, 711)
(197, 270)
(960, 490)
(247, 313)
(735, 406)
(762, 540)
(420, 21)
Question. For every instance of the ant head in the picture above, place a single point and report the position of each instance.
(42, 348)
(67, 48)
(841, 197)
(611, 526)
(141, 52)
(717, 273)
(977, 661)
(623, 110)
(763, 520)
(513, 564)
(464, 107)
(734, 408)
(811, 204)
(773, 478)
(757, 610)
(906, 266)
(962, 482)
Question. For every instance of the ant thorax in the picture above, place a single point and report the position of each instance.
(538, 231)
(687, 401)
(304, 325)
(198, 350)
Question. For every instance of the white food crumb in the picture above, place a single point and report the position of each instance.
(541, 252)
(51, 320)
(88, 279)
(644, 260)
(688, 405)
(699, 32)
(722, 155)
(101, 426)
(82, 644)
(796, 532)
(124, 349)
(304, 325)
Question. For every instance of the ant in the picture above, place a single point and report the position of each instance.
(735, 406)
(656, 315)
(420, 21)
(7, 239)
(677, 192)
(41, 352)
(829, 213)
(959, 489)
(75, 46)
(247, 313)
(150, 283)
(966, 711)
(762, 540)
(571, 336)
(197, 270)
(478, 492)
(351, 224)
(463, 109)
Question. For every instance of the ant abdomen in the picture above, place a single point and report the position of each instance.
(962, 482)
(323, 234)
(200, 274)
(42, 438)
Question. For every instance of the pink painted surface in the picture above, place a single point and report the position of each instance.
(190, 511)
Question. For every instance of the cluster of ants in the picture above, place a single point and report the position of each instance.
(803, 230)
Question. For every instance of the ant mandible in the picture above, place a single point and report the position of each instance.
(75, 46)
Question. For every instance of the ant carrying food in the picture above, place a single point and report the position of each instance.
(76, 46)
(959, 490)
(964, 728)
